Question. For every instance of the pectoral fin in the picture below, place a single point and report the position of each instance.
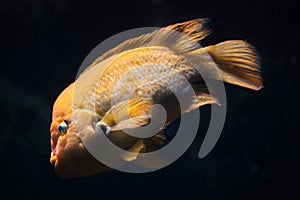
(127, 114)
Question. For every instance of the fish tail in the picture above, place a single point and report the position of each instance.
(238, 62)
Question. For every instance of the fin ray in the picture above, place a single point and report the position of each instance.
(128, 114)
(133, 152)
(238, 63)
(203, 97)
(192, 32)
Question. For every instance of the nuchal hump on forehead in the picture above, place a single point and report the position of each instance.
(116, 92)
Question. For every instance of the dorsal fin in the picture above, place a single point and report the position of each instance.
(191, 33)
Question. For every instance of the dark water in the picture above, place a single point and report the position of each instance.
(42, 46)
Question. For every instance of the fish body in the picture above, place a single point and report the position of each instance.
(118, 90)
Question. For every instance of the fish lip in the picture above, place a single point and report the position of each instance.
(53, 159)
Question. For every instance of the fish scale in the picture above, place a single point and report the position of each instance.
(131, 60)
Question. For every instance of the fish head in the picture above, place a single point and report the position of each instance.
(68, 154)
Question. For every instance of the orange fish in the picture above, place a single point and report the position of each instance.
(152, 63)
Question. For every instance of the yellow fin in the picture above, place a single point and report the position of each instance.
(238, 63)
(191, 31)
(202, 99)
(127, 114)
(133, 151)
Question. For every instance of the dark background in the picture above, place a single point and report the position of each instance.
(43, 43)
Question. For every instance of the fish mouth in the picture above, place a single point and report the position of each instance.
(53, 159)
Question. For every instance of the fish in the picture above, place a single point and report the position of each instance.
(153, 66)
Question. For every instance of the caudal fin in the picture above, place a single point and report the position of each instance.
(238, 63)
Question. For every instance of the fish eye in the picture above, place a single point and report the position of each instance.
(63, 127)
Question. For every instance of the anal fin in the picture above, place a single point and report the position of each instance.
(133, 152)
(202, 97)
